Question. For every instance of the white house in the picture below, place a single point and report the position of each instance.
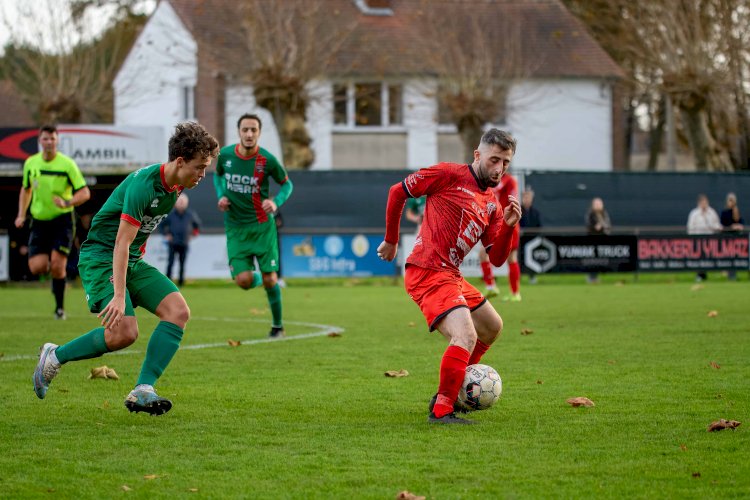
(562, 113)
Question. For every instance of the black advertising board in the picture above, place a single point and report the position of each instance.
(711, 252)
(575, 254)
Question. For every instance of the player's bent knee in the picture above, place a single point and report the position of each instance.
(244, 281)
(270, 280)
(121, 337)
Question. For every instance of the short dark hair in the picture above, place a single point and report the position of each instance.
(190, 140)
(49, 128)
(251, 116)
(499, 138)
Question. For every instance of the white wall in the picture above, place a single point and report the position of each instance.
(148, 87)
(420, 119)
(561, 125)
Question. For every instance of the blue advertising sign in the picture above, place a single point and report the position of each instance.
(348, 255)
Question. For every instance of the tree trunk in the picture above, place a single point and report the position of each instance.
(287, 105)
(470, 132)
(707, 155)
(656, 135)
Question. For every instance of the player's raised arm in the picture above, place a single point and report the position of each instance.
(500, 249)
(396, 200)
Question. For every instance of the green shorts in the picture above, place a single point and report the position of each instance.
(257, 241)
(145, 286)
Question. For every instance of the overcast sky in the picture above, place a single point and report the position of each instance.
(20, 16)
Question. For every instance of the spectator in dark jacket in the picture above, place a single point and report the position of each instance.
(180, 226)
(530, 218)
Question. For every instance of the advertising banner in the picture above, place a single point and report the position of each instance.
(352, 255)
(206, 258)
(4, 259)
(95, 148)
(693, 252)
(576, 254)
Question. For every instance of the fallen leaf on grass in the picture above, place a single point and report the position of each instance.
(527, 331)
(408, 495)
(125, 487)
(258, 312)
(714, 364)
(611, 362)
(713, 314)
(334, 334)
(683, 447)
(539, 382)
(580, 401)
(234, 343)
(722, 424)
(193, 490)
(104, 372)
(411, 324)
(696, 474)
(695, 288)
(399, 373)
(151, 476)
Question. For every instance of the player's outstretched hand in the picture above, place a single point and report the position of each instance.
(268, 206)
(512, 212)
(387, 251)
(113, 312)
(224, 203)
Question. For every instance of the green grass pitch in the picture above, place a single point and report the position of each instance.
(315, 417)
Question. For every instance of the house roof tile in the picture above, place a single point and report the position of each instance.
(553, 41)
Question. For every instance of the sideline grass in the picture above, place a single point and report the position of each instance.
(316, 418)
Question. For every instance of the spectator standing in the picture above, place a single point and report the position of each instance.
(180, 226)
(732, 221)
(53, 185)
(703, 220)
(530, 218)
(597, 222)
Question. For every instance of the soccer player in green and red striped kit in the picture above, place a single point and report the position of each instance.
(116, 279)
(241, 180)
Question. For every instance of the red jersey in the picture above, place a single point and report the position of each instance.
(508, 187)
(458, 214)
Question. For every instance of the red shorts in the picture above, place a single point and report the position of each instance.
(438, 292)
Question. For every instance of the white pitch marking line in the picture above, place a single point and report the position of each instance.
(321, 331)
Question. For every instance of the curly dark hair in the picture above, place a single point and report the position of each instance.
(190, 140)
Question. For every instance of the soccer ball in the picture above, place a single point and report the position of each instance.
(482, 386)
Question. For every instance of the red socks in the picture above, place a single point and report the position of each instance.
(487, 274)
(514, 276)
(479, 349)
(452, 372)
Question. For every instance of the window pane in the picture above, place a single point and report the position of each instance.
(367, 104)
(395, 105)
(339, 104)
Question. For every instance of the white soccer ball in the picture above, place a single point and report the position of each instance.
(482, 386)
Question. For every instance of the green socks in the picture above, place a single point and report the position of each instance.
(274, 300)
(162, 346)
(88, 345)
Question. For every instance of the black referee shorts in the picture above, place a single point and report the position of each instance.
(56, 234)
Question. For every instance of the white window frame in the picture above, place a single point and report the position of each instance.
(187, 101)
(386, 126)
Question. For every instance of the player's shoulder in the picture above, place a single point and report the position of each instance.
(268, 155)
(36, 157)
(65, 160)
(228, 150)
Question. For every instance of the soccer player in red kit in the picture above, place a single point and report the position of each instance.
(508, 187)
(461, 210)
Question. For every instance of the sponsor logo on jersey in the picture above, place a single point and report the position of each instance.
(467, 191)
(228, 164)
(148, 224)
(155, 202)
(239, 183)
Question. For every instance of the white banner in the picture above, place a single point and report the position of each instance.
(206, 258)
(4, 242)
(109, 148)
